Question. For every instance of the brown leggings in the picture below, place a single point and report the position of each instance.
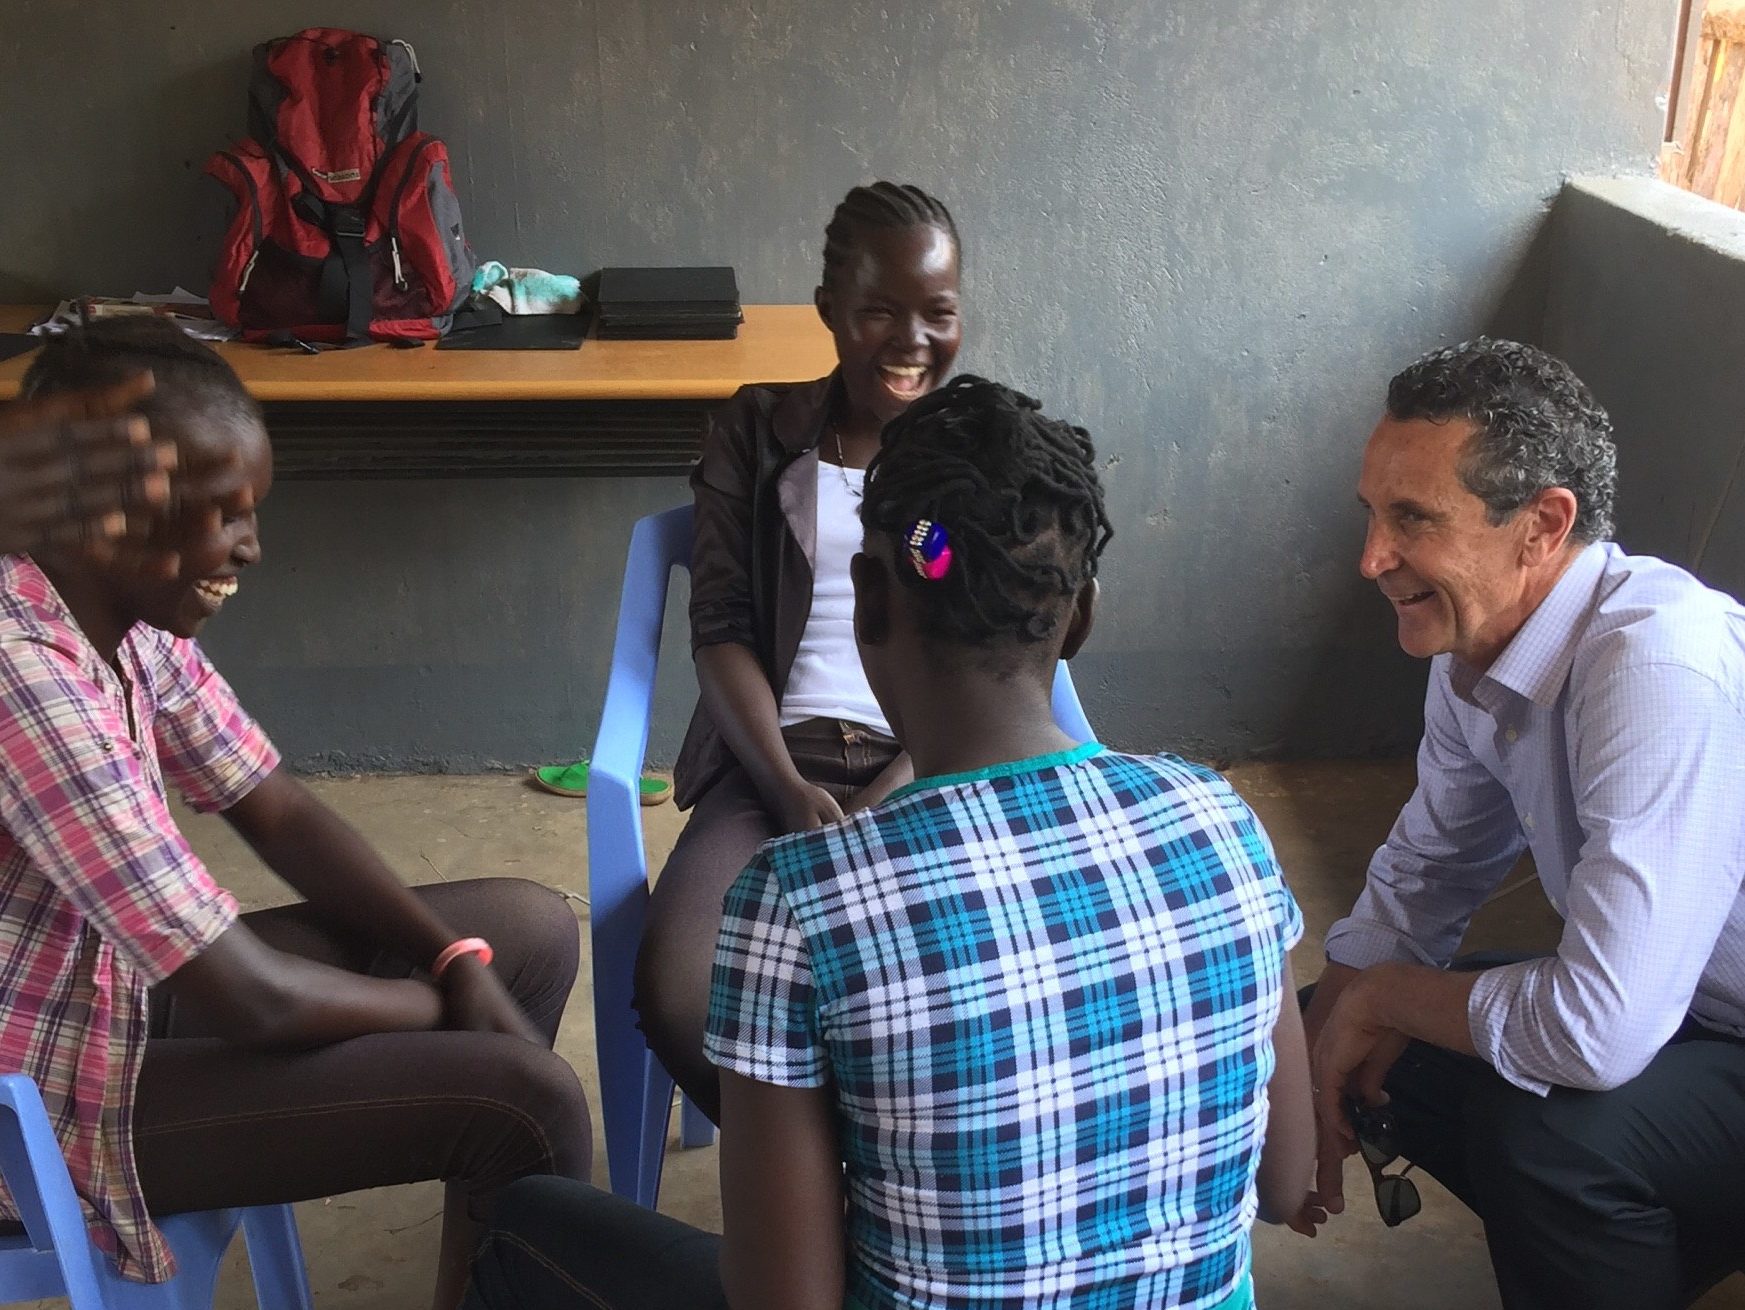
(216, 1126)
(726, 827)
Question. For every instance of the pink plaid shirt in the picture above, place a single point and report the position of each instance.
(100, 896)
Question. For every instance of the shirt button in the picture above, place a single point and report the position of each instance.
(1527, 822)
(1512, 735)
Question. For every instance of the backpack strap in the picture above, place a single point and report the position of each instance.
(341, 283)
(347, 289)
(348, 239)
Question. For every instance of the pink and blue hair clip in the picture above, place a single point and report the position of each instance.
(929, 546)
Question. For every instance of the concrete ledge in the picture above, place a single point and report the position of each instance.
(1680, 213)
(1645, 287)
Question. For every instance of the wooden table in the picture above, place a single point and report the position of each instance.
(611, 407)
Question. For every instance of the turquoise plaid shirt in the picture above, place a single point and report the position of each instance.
(1045, 994)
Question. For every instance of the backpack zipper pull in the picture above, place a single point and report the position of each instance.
(394, 250)
(248, 268)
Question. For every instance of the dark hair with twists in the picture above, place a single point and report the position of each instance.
(883, 205)
(1019, 496)
(189, 375)
(1538, 427)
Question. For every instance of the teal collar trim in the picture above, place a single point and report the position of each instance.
(1011, 768)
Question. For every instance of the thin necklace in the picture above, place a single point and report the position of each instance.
(842, 465)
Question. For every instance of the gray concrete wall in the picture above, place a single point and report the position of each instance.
(1207, 231)
(1647, 284)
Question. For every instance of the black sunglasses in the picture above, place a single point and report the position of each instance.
(1396, 1196)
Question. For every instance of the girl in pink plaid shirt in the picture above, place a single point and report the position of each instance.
(190, 1057)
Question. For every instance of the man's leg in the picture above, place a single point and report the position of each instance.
(1625, 1199)
(1430, 1094)
(1628, 1198)
(218, 1126)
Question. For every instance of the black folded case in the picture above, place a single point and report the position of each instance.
(668, 303)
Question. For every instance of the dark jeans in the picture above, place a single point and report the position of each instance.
(726, 827)
(216, 1126)
(556, 1244)
(1628, 1199)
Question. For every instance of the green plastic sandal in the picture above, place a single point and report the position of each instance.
(572, 780)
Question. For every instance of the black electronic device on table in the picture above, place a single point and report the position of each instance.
(668, 304)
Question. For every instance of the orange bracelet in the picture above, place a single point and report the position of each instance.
(454, 950)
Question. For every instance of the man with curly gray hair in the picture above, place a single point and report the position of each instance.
(1587, 707)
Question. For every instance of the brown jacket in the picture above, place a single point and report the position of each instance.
(756, 493)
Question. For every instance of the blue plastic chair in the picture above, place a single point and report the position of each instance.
(54, 1256)
(635, 1091)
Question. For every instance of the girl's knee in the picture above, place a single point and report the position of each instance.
(549, 1109)
(671, 994)
(535, 912)
(537, 940)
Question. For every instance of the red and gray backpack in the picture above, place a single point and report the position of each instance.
(346, 226)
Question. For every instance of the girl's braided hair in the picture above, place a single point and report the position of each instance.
(1016, 491)
(881, 206)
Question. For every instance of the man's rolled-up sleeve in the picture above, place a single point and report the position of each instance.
(1658, 758)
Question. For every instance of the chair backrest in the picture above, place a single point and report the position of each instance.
(617, 861)
(635, 1092)
(55, 1256)
(1069, 715)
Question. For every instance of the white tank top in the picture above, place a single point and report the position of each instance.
(827, 681)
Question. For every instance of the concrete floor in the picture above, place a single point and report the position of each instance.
(375, 1250)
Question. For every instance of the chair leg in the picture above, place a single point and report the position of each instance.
(657, 1113)
(275, 1258)
(694, 1126)
(199, 1240)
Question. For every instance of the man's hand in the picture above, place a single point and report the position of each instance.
(79, 468)
(1355, 1050)
(1358, 1028)
(806, 806)
(1334, 979)
(475, 1000)
(1350, 1052)
(1332, 1148)
(251, 995)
